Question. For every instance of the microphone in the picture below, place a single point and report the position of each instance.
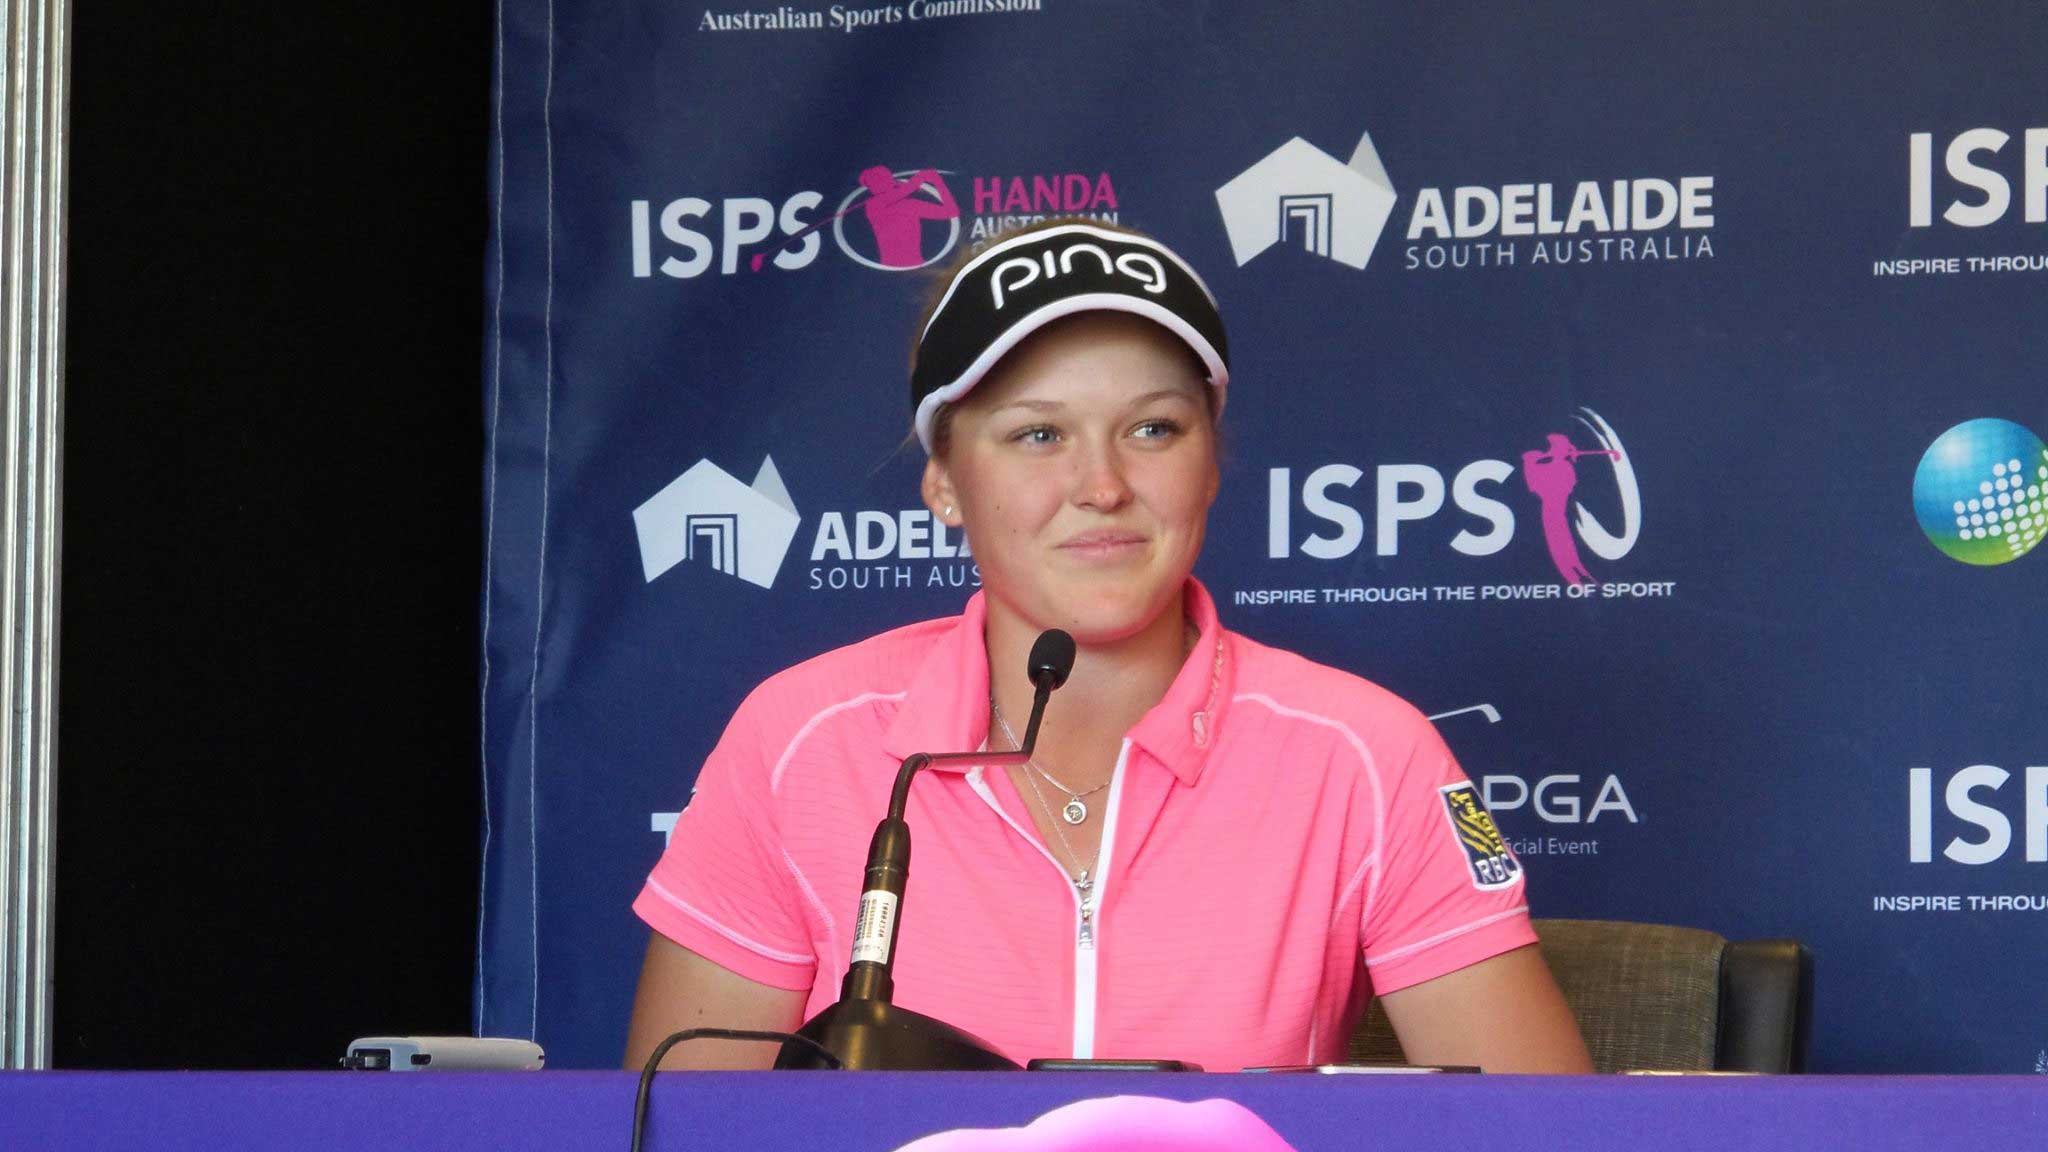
(1052, 657)
(864, 1029)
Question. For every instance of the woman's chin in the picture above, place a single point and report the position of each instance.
(1098, 617)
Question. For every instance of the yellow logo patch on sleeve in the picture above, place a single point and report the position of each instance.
(1472, 826)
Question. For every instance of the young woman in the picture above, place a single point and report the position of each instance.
(1219, 850)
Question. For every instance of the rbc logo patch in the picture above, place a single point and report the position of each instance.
(1486, 853)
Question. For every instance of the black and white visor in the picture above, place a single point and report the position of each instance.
(1022, 284)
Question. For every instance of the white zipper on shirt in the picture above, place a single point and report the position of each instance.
(1085, 933)
(1087, 921)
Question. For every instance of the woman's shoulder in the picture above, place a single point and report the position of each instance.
(879, 667)
(1291, 685)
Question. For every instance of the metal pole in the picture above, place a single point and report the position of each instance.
(34, 106)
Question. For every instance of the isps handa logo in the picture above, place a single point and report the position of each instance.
(890, 220)
(708, 518)
(1981, 491)
(1552, 479)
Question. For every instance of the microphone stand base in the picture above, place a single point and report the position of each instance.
(877, 1036)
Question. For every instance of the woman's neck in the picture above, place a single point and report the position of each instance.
(1111, 687)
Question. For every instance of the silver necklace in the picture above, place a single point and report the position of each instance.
(1073, 811)
(1083, 883)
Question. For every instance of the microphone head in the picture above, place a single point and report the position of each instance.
(1052, 656)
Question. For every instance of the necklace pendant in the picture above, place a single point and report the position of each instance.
(1074, 812)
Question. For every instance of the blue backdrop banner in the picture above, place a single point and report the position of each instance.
(1653, 397)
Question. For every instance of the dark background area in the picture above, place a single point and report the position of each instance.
(267, 822)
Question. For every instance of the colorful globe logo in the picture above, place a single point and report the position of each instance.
(1981, 491)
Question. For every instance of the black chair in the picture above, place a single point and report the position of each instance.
(1651, 996)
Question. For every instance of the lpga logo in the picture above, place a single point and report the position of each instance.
(1978, 492)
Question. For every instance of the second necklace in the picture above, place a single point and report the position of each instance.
(1075, 810)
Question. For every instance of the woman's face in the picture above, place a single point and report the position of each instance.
(1082, 469)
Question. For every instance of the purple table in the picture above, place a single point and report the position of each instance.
(859, 1112)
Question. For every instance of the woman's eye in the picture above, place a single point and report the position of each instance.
(1036, 434)
(1156, 429)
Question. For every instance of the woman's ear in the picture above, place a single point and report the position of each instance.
(937, 489)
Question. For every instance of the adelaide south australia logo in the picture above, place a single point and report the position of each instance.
(708, 518)
(1299, 196)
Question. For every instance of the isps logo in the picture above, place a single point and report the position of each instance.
(892, 220)
(1979, 161)
(1404, 494)
(1977, 796)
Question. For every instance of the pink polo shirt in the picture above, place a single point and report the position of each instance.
(1271, 822)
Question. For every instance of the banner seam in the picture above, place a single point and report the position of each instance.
(540, 577)
(490, 527)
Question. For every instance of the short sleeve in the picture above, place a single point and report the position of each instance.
(1450, 892)
(723, 889)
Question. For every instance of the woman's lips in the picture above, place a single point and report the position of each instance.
(1103, 544)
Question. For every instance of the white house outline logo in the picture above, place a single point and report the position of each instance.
(707, 514)
(1301, 193)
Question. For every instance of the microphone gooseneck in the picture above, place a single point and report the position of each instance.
(1050, 662)
(864, 1029)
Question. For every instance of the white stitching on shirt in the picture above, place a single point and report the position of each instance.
(803, 733)
(1440, 937)
(1372, 861)
(750, 945)
(818, 906)
(1372, 775)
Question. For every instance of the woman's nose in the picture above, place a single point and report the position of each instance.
(1101, 485)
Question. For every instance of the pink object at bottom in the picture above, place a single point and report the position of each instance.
(1120, 1124)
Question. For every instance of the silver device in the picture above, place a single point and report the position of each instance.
(442, 1054)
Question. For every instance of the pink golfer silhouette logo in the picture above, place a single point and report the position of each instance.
(1121, 1124)
(895, 206)
(1552, 474)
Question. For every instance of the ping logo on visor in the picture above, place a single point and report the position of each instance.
(1019, 285)
(1020, 272)
(1472, 826)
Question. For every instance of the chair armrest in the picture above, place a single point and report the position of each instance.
(1766, 1006)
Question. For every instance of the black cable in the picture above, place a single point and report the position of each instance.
(661, 1050)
